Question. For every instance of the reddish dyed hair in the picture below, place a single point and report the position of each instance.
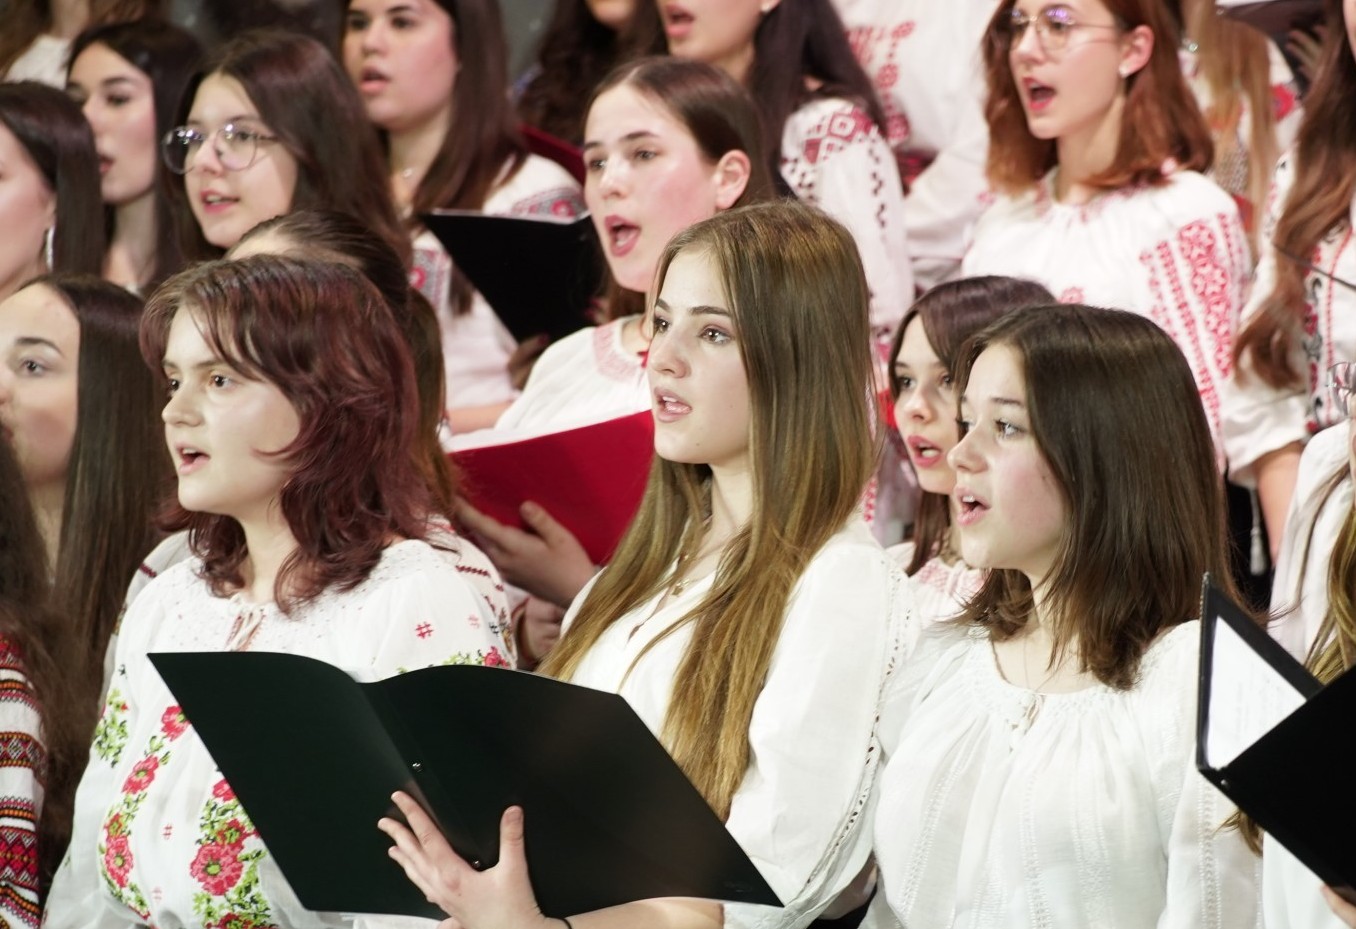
(327, 339)
(1161, 120)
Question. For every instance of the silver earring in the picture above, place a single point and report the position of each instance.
(49, 247)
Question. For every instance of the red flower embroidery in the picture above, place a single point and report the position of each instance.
(118, 860)
(495, 660)
(217, 867)
(233, 921)
(141, 775)
(223, 792)
(233, 833)
(173, 722)
(115, 825)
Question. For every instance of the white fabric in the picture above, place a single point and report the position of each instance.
(1174, 253)
(1322, 500)
(801, 810)
(834, 157)
(169, 552)
(940, 590)
(1291, 898)
(588, 376)
(476, 346)
(924, 59)
(419, 606)
(1005, 808)
(43, 61)
(1259, 418)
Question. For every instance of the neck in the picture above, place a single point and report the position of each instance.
(11, 285)
(268, 542)
(731, 501)
(411, 152)
(48, 502)
(1086, 153)
(130, 261)
(738, 64)
(69, 17)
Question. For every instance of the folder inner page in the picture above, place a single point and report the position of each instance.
(1247, 697)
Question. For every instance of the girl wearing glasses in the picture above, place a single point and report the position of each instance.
(433, 75)
(1301, 316)
(1095, 148)
(271, 125)
(1040, 751)
(128, 79)
(49, 186)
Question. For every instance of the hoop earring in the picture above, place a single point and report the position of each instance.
(49, 247)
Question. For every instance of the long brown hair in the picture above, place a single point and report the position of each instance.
(797, 295)
(950, 314)
(308, 102)
(1161, 120)
(1111, 398)
(1318, 205)
(718, 113)
(325, 337)
(22, 21)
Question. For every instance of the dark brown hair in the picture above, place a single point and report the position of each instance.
(950, 314)
(1161, 120)
(1111, 399)
(328, 236)
(308, 102)
(717, 112)
(575, 54)
(52, 129)
(1319, 203)
(168, 56)
(22, 21)
(324, 335)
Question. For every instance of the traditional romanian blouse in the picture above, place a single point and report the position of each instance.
(800, 813)
(1259, 418)
(476, 346)
(924, 58)
(1001, 807)
(23, 772)
(940, 590)
(834, 157)
(1175, 253)
(159, 838)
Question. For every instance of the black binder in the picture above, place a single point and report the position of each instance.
(1277, 742)
(538, 273)
(314, 757)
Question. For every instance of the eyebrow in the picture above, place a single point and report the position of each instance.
(997, 401)
(198, 366)
(29, 341)
(229, 119)
(629, 137)
(112, 81)
(699, 310)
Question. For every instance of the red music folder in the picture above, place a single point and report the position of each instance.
(589, 478)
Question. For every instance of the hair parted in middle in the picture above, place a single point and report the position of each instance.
(1161, 121)
(797, 298)
(1111, 399)
(308, 102)
(323, 335)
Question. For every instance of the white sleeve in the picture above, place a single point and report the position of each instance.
(802, 813)
(1257, 418)
(22, 792)
(835, 158)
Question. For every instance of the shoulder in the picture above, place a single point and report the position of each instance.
(836, 118)
(539, 187)
(852, 585)
(445, 556)
(1185, 197)
(1169, 667)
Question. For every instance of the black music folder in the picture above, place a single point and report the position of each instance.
(539, 273)
(1277, 742)
(314, 757)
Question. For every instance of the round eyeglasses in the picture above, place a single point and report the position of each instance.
(1341, 385)
(1053, 25)
(236, 147)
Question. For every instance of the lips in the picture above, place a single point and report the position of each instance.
(923, 453)
(189, 458)
(372, 80)
(677, 21)
(970, 508)
(669, 407)
(621, 235)
(216, 202)
(1037, 95)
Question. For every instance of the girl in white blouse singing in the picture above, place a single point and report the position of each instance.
(748, 616)
(1040, 751)
(1095, 148)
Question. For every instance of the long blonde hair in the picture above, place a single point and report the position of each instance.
(798, 299)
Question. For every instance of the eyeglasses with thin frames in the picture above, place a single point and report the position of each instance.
(1341, 385)
(237, 146)
(1053, 26)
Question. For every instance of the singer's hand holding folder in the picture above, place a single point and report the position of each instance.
(609, 816)
(1277, 742)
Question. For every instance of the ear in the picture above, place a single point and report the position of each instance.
(1137, 47)
(767, 6)
(731, 175)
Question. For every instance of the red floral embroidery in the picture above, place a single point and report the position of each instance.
(223, 792)
(233, 921)
(1283, 100)
(173, 722)
(141, 775)
(1071, 295)
(118, 860)
(496, 660)
(218, 867)
(838, 131)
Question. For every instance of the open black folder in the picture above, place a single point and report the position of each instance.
(314, 757)
(1275, 741)
(538, 273)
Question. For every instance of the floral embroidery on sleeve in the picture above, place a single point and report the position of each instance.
(228, 872)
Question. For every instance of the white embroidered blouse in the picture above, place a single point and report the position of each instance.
(940, 590)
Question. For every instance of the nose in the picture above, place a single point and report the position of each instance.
(6, 384)
(611, 180)
(93, 114)
(180, 409)
(666, 356)
(1029, 45)
(205, 157)
(373, 38)
(913, 404)
(963, 456)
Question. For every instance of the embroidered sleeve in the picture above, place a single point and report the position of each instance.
(22, 771)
